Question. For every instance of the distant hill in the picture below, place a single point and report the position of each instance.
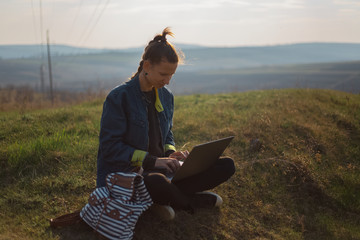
(206, 69)
(244, 57)
(343, 76)
(35, 51)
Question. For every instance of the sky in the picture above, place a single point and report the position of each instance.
(220, 23)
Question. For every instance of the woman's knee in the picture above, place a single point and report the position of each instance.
(158, 187)
(162, 191)
(154, 180)
(227, 165)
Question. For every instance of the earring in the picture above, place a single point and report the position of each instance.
(146, 73)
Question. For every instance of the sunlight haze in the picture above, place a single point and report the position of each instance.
(123, 24)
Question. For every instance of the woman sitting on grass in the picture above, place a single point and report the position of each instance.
(136, 131)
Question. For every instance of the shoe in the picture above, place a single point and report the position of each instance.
(165, 212)
(205, 200)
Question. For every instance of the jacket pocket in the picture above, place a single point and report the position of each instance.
(137, 133)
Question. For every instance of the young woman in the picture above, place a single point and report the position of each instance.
(136, 131)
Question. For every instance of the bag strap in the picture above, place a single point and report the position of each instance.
(65, 220)
(138, 170)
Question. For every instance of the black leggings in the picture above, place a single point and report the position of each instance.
(163, 192)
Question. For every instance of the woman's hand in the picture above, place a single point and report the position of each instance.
(171, 164)
(181, 155)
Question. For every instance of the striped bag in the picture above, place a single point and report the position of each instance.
(114, 210)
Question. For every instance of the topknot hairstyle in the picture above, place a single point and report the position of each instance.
(159, 49)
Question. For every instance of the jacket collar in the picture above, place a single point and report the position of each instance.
(158, 105)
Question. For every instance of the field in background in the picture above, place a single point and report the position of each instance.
(79, 77)
(344, 76)
(333, 66)
(25, 98)
(296, 152)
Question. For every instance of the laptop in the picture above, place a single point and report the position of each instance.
(200, 158)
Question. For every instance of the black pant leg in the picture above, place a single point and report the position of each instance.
(163, 192)
(220, 172)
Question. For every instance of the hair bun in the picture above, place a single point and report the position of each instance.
(159, 49)
(158, 38)
(163, 38)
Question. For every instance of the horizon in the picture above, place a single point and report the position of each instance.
(179, 43)
(106, 24)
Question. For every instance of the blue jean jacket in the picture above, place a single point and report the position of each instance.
(124, 128)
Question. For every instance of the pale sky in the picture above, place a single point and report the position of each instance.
(132, 23)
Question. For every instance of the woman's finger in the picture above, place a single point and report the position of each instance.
(178, 155)
(174, 165)
(171, 166)
(177, 164)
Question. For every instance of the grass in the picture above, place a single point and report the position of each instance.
(296, 152)
(24, 98)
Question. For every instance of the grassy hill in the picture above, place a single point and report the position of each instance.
(296, 152)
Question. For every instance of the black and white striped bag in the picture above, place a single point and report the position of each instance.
(114, 210)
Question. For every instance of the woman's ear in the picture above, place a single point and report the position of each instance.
(146, 65)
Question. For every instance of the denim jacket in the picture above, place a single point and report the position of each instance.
(124, 128)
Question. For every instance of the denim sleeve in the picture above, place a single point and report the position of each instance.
(170, 136)
(112, 147)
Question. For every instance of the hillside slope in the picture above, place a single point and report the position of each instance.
(296, 152)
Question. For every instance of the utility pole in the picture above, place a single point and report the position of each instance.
(50, 72)
(42, 79)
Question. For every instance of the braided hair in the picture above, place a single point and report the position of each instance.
(159, 49)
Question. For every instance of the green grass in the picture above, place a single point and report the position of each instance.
(300, 181)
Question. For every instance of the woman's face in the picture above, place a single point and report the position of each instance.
(159, 74)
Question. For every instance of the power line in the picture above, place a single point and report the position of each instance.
(41, 30)
(36, 38)
(42, 66)
(75, 19)
(34, 21)
(96, 22)
(89, 22)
